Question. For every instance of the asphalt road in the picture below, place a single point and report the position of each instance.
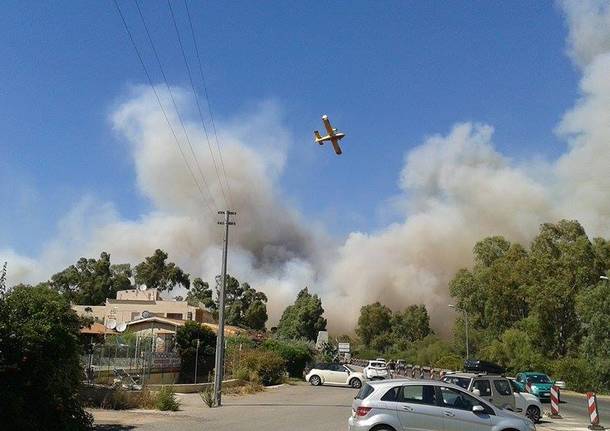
(576, 405)
(298, 407)
(292, 407)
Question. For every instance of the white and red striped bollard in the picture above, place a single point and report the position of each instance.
(431, 373)
(422, 373)
(528, 386)
(555, 403)
(442, 374)
(413, 372)
(593, 413)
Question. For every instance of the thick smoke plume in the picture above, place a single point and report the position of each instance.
(457, 188)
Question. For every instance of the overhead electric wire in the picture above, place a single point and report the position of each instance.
(171, 95)
(188, 69)
(205, 89)
(150, 82)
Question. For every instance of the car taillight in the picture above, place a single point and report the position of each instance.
(363, 411)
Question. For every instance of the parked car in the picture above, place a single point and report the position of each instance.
(491, 387)
(335, 374)
(428, 405)
(541, 384)
(376, 370)
(525, 403)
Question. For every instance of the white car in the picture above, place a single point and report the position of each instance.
(334, 374)
(527, 404)
(376, 370)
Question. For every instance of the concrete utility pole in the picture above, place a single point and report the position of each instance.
(220, 336)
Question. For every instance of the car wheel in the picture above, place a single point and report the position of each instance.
(533, 414)
(355, 383)
(315, 381)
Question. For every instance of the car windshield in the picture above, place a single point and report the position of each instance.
(460, 381)
(539, 378)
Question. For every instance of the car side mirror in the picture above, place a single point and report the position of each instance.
(477, 393)
(478, 409)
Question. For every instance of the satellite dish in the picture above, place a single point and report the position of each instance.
(111, 324)
(146, 314)
(121, 327)
(143, 287)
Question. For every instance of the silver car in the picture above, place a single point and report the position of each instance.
(426, 405)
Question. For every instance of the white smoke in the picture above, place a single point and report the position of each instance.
(456, 189)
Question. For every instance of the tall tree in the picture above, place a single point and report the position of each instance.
(91, 281)
(562, 264)
(412, 324)
(244, 305)
(200, 293)
(303, 319)
(156, 273)
(374, 321)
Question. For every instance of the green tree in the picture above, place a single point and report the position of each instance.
(244, 305)
(303, 319)
(91, 281)
(39, 361)
(186, 343)
(562, 264)
(374, 321)
(200, 293)
(412, 324)
(156, 273)
(593, 307)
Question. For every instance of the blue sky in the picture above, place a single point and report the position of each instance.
(387, 73)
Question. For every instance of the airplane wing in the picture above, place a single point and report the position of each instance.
(336, 146)
(329, 128)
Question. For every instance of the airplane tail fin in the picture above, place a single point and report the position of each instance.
(317, 135)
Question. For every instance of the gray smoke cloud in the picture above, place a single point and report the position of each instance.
(456, 189)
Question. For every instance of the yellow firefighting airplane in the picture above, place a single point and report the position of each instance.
(333, 136)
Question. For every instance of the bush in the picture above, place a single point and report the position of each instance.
(186, 341)
(40, 369)
(583, 375)
(296, 353)
(263, 366)
(166, 399)
(207, 395)
(117, 400)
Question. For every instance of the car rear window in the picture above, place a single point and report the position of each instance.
(364, 392)
(483, 386)
(503, 387)
(462, 382)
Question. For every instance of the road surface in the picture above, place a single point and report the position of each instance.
(299, 407)
(576, 405)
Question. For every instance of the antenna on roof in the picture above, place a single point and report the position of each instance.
(143, 287)
(111, 324)
(146, 314)
(121, 327)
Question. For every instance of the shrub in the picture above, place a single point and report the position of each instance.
(583, 375)
(166, 399)
(41, 371)
(207, 395)
(263, 366)
(296, 353)
(117, 400)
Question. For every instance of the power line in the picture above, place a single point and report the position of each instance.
(171, 94)
(150, 82)
(205, 89)
(188, 69)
